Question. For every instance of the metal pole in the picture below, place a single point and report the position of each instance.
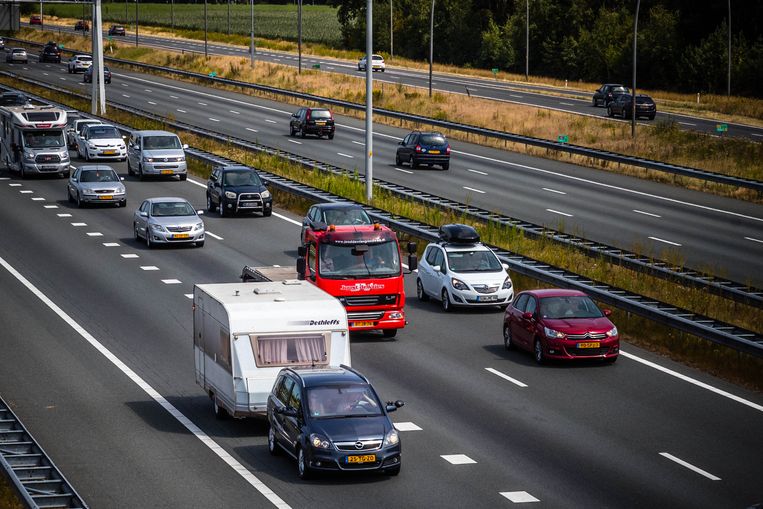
(127, 15)
(527, 40)
(98, 95)
(299, 35)
(172, 14)
(633, 100)
(251, 39)
(728, 86)
(228, 17)
(136, 22)
(431, 46)
(206, 54)
(369, 101)
(42, 19)
(391, 38)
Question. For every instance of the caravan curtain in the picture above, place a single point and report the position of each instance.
(287, 350)
(311, 350)
(272, 350)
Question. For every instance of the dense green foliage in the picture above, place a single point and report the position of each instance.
(682, 44)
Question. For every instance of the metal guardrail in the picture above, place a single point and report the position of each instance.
(30, 471)
(634, 161)
(699, 325)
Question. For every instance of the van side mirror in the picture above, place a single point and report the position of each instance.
(505, 266)
(413, 262)
(301, 268)
(301, 251)
(185, 146)
(287, 411)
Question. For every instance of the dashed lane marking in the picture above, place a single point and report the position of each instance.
(149, 267)
(64, 215)
(111, 244)
(560, 213)
(519, 497)
(38, 198)
(404, 171)
(79, 224)
(295, 141)
(50, 206)
(475, 190)
(182, 111)
(214, 119)
(26, 191)
(552, 190)
(646, 213)
(94, 234)
(214, 236)
(506, 377)
(690, 466)
(666, 241)
(754, 239)
(345, 155)
(129, 255)
(457, 459)
(270, 121)
(188, 295)
(476, 171)
(250, 129)
(171, 281)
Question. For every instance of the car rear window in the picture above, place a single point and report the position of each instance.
(432, 139)
(644, 100)
(620, 90)
(320, 114)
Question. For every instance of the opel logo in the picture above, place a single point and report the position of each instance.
(358, 445)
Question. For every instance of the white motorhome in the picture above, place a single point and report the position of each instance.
(245, 333)
(33, 140)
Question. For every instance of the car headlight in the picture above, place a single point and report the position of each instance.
(265, 194)
(198, 227)
(121, 190)
(148, 159)
(29, 155)
(181, 159)
(554, 334)
(91, 146)
(230, 194)
(506, 283)
(88, 191)
(319, 441)
(392, 438)
(458, 284)
(64, 156)
(612, 332)
(157, 227)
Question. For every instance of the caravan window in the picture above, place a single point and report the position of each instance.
(44, 138)
(287, 350)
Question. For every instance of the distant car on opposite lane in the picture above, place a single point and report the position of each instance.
(17, 55)
(377, 63)
(417, 148)
(318, 121)
(623, 104)
(96, 184)
(607, 93)
(35, 19)
(87, 77)
(168, 220)
(321, 215)
(116, 30)
(235, 188)
(82, 25)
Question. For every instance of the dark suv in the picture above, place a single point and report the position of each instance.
(318, 121)
(623, 103)
(50, 53)
(430, 148)
(607, 93)
(232, 189)
(331, 419)
(87, 77)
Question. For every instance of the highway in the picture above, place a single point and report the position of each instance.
(707, 232)
(542, 96)
(97, 346)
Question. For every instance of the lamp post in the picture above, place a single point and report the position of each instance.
(172, 14)
(299, 35)
(136, 22)
(527, 40)
(41, 16)
(369, 101)
(392, 46)
(431, 46)
(728, 85)
(633, 91)
(206, 55)
(228, 17)
(251, 37)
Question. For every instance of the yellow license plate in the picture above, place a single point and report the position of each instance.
(592, 344)
(320, 123)
(365, 458)
(181, 236)
(362, 324)
(105, 197)
(109, 152)
(166, 172)
(434, 151)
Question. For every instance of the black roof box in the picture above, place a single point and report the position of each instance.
(459, 234)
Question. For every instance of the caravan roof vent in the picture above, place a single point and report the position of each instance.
(458, 234)
(265, 291)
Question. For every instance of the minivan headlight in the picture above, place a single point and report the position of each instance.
(458, 284)
(612, 332)
(392, 438)
(148, 159)
(506, 283)
(554, 334)
(29, 155)
(319, 441)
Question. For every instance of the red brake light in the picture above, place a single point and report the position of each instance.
(418, 148)
(447, 149)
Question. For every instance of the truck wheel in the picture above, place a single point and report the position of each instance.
(389, 333)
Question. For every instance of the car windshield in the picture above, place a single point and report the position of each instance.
(172, 208)
(573, 306)
(160, 142)
(101, 132)
(99, 176)
(331, 401)
(241, 178)
(49, 138)
(320, 114)
(473, 261)
(19, 51)
(346, 216)
(349, 262)
(432, 139)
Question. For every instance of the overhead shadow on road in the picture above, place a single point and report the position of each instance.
(525, 358)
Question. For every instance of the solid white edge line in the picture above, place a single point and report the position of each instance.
(685, 378)
(754, 239)
(148, 389)
(214, 236)
(506, 377)
(646, 213)
(666, 241)
(690, 466)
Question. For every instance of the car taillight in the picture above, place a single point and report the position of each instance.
(447, 150)
(418, 148)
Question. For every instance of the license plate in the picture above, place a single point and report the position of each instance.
(320, 123)
(109, 152)
(486, 298)
(105, 197)
(181, 236)
(362, 324)
(166, 172)
(592, 344)
(365, 458)
(434, 151)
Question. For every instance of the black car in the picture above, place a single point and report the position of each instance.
(607, 93)
(320, 215)
(87, 77)
(82, 25)
(430, 148)
(50, 54)
(623, 103)
(14, 99)
(331, 419)
(232, 189)
(116, 30)
(319, 121)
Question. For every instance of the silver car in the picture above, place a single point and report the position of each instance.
(156, 153)
(168, 221)
(96, 184)
(79, 63)
(17, 55)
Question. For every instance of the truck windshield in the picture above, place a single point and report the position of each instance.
(44, 138)
(346, 262)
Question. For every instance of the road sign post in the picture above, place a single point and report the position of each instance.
(563, 138)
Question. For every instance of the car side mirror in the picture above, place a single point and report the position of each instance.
(185, 146)
(121, 178)
(607, 312)
(394, 405)
(287, 411)
(200, 212)
(399, 142)
(505, 266)
(143, 214)
(74, 179)
(527, 315)
(137, 148)
(436, 268)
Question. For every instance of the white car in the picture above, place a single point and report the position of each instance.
(101, 141)
(79, 63)
(461, 271)
(377, 63)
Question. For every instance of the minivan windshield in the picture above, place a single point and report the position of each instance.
(351, 400)
(44, 138)
(573, 306)
(161, 142)
(473, 261)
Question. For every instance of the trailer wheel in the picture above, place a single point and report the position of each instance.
(220, 412)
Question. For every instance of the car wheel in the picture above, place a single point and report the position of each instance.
(123, 203)
(302, 468)
(272, 445)
(651, 117)
(412, 162)
(78, 199)
(331, 136)
(141, 176)
(183, 176)
(626, 114)
(220, 412)
(291, 131)
(210, 206)
(445, 300)
(135, 231)
(398, 162)
(389, 333)
(129, 168)
(69, 195)
(302, 132)
(508, 344)
(267, 213)
(393, 470)
(609, 111)
(538, 352)
(200, 243)
(420, 293)
(69, 69)
(611, 360)
(445, 166)
(149, 244)
(22, 172)
(223, 211)
(595, 102)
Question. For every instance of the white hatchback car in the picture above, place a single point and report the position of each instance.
(461, 271)
(377, 63)
(101, 141)
(79, 63)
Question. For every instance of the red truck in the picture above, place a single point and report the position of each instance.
(359, 265)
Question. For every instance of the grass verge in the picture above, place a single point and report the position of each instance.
(684, 347)
(8, 497)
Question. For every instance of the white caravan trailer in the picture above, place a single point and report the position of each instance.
(33, 140)
(244, 333)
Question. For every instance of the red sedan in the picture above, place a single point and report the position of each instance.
(560, 324)
(35, 19)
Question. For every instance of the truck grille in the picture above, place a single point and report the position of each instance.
(47, 158)
(368, 300)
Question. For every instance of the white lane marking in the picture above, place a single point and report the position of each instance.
(189, 295)
(506, 377)
(476, 171)
(457, 459)
(295, 141)
(202, 104)
(50, 206)
(147, 90)
(235, 112)
(685, 378)
(406, 426)
(687, 123)
(560, 213)
(666, 241)
(151, 102)
(214, 236)
(645, 213)
(125, 95)
(566, 104)
(129, 255)
(94, 234)
(26, 191)
(182, 111)
(14, 185)
(38, 198)
(754, 239)
(475, 190)
(149, 267)
(519, 497)
(64, 215)
(514, 95)
(690, 466)
(287, 219)
(404, 171)
(62, 78)
(171, 281)
(253, 130)
(111, 244)
(358, 142)
(271, 121)
(344, 155)
(45, 74)
(213, 119)
(5, 178)
(758, 135)
(174, 97)
(79, 224)
(148, 389)
(552, 190)
(124, 84)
